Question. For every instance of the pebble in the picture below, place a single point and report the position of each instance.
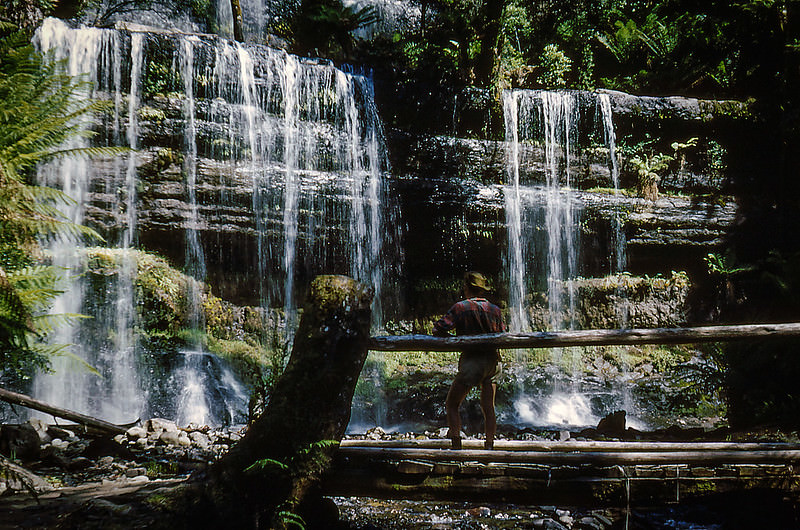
(548, 524)
(481, 511)
(135, 472)
(59, 443)
(589, 523)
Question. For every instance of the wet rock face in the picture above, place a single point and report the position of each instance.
(449, 190)
(486, 161)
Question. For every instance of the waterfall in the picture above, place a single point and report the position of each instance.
(551, 118)
(315, 154)
(123, 371)
(559, 123)
(304, 135)
(519, 321)
(89, 52)
(207, 392)
(617, 223)
(195, 258)
(543, 130)
(609, 135)
(290, 201)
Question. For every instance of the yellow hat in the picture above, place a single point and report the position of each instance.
(476, 281)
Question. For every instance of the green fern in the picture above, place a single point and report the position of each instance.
(40, 113)
(290, 519)
(267, 466)
(297, 464)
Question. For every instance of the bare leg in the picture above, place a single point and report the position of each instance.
(488, 390)
(455, 396)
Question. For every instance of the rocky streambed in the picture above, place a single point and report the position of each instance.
(62, 477)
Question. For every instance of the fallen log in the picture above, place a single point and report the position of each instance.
(576, 445)
(566, 485)
(596, 458)
(586, 337)
(41, 406)
(18, 478)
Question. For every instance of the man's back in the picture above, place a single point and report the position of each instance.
(473, 316)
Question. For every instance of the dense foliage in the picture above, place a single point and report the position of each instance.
(441, 49)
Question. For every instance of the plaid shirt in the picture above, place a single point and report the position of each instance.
(474, 316)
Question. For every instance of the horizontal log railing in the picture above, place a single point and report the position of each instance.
(573, 446)
(586, 337)
(603, 458)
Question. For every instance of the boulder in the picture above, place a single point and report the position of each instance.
(161, 425)
(41, 429)
(20, 441)
(613, 424)
(134, 433)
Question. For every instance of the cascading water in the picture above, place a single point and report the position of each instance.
(195, 258)
(559, 121)
(89, 52)
(308, 136)
(617, 228)
(550, 117)
(318, 179)
(542, 133)
(516, 259)
(124, 366)
(617, 232)
(610, 137)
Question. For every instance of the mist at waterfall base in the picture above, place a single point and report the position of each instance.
(545, 398)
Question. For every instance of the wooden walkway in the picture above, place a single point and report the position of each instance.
(572, 472)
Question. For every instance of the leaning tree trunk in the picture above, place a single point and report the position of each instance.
(238, 21)
(309, 409)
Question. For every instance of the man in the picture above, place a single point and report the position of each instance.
(478, 365)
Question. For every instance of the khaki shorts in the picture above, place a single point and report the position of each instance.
(475, 367)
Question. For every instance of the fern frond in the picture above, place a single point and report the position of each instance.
(63, 350)
(15, 316)
(291, 519)
(39, 115)
(48, 323)
(317, 446)
(266, 465)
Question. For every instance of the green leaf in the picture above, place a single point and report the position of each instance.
(266, 465)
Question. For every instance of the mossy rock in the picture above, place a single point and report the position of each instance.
(163, 307)
(151, 114)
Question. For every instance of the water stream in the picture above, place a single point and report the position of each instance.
(90, 52)
(543, 214)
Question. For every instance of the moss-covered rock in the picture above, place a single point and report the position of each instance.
(163, 312)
